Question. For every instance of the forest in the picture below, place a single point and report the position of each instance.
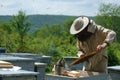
(55, 39)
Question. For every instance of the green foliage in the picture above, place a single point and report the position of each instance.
(22, 27)
(57, 39)
(114, 54)
(8, 39)
(19, 23)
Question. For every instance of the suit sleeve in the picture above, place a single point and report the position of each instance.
(110, 35)
(80, 51)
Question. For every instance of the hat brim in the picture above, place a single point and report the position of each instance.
(85, 21)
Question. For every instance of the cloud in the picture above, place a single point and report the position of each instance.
(57, 7)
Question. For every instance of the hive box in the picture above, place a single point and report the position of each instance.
(68, 60)
(25, 63)
(84, 75)
(114, 72)
(17, 75)
(36, 57)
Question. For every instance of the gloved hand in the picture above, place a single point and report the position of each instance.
(80, 53)
(101, 47)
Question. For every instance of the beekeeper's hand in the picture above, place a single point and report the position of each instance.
(80, 53)
(101, 47)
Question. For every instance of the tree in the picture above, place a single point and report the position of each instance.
(21, 26)
(7, 38)
(109, 16)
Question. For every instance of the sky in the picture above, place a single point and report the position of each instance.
(53, 7)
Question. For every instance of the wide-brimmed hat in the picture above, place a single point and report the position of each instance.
(79, 24)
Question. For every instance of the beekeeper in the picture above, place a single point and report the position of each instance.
(92, 37)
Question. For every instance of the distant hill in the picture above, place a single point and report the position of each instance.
(38, 21)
